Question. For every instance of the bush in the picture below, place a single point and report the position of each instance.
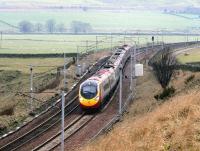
(168, 92)
(8, 110)
(3, 129)
(189, 79)
(188, 67)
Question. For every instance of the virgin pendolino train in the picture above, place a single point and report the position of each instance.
(93, 91)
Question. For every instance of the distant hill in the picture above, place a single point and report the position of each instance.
(138, 4)
(105, 15)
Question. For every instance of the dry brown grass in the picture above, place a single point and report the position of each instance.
(173, 126)
(151, 126)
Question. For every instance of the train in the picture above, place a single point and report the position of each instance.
(94, 91)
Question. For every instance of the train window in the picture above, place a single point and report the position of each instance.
(112, 80)
(106, 86)
(89, 90)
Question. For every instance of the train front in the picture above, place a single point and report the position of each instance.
(89, 95)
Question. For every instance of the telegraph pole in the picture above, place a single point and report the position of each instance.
(135, 48)
(111, 41)
(86, 46)
(186, 40)
(31, 87)
(152, 38)
(62, 123)
(131, 84)
(77, 56)
(146, 51)
(134, 62)
(146, 41)
(96, 43)
(124, 39)
(64, 72)
(1, 39)
(120, 90)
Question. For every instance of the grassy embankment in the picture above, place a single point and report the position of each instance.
(153, 125)
(14, 77)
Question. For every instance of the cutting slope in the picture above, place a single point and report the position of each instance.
(174, 125)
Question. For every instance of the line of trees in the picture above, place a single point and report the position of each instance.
(50, 26)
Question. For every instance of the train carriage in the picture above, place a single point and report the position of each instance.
(93, 91)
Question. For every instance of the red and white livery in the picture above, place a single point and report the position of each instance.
(94, 90)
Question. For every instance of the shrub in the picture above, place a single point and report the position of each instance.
(3, 129)
(8, 110)
(168, 92)
(189, 79)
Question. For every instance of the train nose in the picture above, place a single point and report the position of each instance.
(89, 102)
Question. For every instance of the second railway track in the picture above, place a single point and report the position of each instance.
(70, 130)
(39, 129)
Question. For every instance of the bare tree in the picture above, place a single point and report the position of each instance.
(25, 26)
(50, 24)
(38, 27)
(164, 66)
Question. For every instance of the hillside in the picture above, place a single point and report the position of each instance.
(106, 15)
(157, 126)
(105, 3)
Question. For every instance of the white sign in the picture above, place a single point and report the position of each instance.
(139, 70)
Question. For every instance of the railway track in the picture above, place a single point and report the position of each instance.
(70, 130)
(43, 127)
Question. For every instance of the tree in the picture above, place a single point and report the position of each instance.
(50, 25)
(38, 27)
(61, 28)
(164, 67)
(80, 27)
(25, 26)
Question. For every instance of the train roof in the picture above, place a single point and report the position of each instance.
(111, 64)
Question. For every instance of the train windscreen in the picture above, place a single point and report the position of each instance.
(89, 90)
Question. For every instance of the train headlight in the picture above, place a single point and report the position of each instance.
(81, 99)
(97, 98)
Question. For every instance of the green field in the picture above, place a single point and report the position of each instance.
(106, 21)
(37, 44)
(23, 65)
(190, 56)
